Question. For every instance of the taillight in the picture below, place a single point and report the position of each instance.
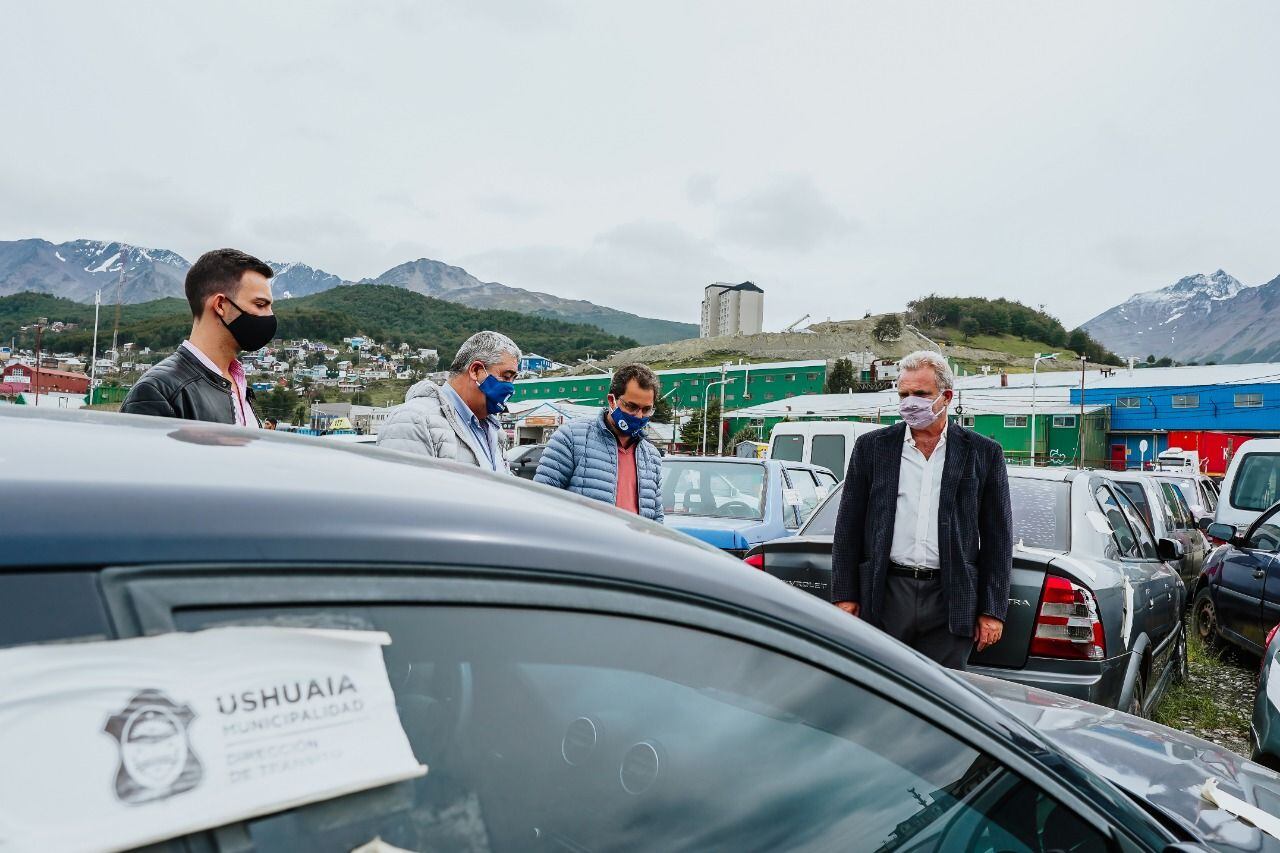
(1067, 623)
(1267, 648)
(754, 560)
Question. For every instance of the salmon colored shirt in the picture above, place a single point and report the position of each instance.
(628, 496)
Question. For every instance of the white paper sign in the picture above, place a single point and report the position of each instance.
(111, 745)
(791, 497)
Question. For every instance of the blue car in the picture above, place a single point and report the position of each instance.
(735, 503)
(1237, 598)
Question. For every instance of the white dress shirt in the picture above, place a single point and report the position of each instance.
(915, 526)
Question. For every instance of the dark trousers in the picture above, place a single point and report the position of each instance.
(915, 612)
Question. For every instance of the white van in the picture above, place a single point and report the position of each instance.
(825, 443)
(1252, 483)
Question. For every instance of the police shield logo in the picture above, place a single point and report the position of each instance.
(156, 759)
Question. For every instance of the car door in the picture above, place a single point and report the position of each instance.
(1263, 540)
(1183, 529)
(1153, 582)
(566, 716)
(1241, 583)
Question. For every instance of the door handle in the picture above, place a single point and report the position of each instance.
(1259, 574)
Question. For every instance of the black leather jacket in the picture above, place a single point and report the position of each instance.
(182, 387)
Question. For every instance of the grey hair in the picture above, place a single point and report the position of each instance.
(487, 347)
(929, 358)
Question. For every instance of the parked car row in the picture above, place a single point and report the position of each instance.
(577, 678)
(1095, 601)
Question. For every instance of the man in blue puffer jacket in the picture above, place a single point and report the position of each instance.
(607, 457)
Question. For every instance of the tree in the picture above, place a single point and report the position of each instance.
(277, 403)
(662, 411)
(1151, 359)
(888, 328)
(300, 414)
(361, 398)
(841, 377)
(691, 432)
(1163, 362)
(969, 326)
(746, 433)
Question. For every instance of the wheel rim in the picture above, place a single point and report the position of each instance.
(1135, 703)
(1206, 620)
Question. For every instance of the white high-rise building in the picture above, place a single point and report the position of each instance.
(732, 309)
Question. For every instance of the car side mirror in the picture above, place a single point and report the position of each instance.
(1203, 522)
(1223, 532)
(1169, 549)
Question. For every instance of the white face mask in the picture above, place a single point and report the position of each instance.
(918, 412)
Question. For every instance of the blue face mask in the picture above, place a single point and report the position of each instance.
(496, 393)
(627, 424)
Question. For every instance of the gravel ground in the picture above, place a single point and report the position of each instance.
(1216, 702)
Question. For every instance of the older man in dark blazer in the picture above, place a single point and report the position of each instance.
(923, 543)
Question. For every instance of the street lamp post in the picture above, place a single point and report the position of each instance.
(1034, 365)
(705, 400)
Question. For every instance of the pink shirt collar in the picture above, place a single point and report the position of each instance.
(244, 412)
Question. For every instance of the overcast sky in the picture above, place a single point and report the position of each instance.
(845, 156)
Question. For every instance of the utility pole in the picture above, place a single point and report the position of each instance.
(40, 324)
(1034, 366)
(720, 420)
(93, 359)
(1080, 435)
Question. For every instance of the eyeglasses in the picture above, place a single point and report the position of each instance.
(637, 410)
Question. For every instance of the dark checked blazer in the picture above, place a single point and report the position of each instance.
(975, 526)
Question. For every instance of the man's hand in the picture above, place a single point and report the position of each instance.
(850, 607)
(988, 631)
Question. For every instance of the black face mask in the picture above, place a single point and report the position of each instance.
(251, 331)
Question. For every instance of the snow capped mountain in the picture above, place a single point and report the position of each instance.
(1197, 318)
(75, 269)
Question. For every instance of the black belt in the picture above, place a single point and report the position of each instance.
(917, 572)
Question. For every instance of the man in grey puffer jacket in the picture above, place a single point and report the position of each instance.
(458, 420)
(607, 457)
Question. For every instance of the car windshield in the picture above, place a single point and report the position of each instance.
(1041, 513)
(1257, 483)
(713, 489)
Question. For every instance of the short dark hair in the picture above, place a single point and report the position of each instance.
(644, 377)
(270, 421)
(219, 271)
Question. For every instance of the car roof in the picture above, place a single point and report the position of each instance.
(103, 489)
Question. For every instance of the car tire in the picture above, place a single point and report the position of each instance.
(1181, 663)
(1204, 618)
(1139, 695)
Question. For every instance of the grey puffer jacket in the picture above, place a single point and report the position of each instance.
(582, 457)
(428, 424)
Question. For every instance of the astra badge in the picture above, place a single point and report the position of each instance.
(156, 760)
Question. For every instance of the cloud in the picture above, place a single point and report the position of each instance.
(649, 267)
(790, 214)
(701, 188)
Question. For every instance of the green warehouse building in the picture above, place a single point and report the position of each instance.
(687, 388)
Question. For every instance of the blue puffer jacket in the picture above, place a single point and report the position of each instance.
(582, 457)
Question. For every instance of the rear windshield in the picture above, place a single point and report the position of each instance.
(713, 489)
(823, 521)
(1256, 482)
(788, 448)
(1041, 513)
(829, 452)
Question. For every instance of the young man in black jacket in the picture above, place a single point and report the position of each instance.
(230, 297)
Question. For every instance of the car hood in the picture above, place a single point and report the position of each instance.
(720, 532)
(1155, 763)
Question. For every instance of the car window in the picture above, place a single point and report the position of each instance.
(788, 448)
(826, 482)
(1177, 507)
(583, 731)
(829, 452)
(823, 521)
(1210, 496)
(1257, 483)
(1041, 513)
(1126, 540)
(1146, 541)
(804, 491)
(713, 489)
(1136, 493)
